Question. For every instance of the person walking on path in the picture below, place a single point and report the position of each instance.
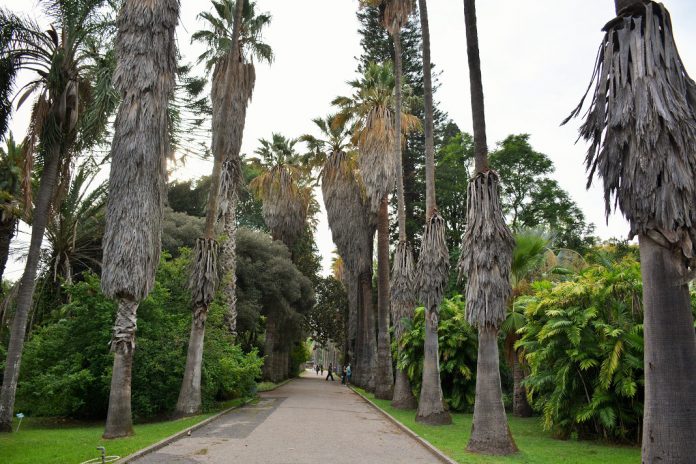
(330, 372)
(343, 376)
(348, 374)
(321, 368)
(316, 368)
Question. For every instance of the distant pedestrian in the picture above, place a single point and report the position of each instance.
(330, 372)
(321, 368)
(349, 372)
(316, 368)
(343, 376)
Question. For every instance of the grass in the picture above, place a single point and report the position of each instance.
(536, 446)
(268, 386)
(49, 440)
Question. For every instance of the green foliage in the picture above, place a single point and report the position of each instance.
(298, 355)
(531, 198)
(327, 318)
(66, 364)
(458, 352)
(584, 344)
(180, 230)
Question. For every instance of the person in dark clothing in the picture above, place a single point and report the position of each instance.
(343, 376)
(316, 368)
(330, 372)
(321, 368)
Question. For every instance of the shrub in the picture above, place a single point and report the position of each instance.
(458, 352)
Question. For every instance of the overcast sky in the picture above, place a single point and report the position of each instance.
(536, 57)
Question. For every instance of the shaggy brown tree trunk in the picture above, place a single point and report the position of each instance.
(490, 433)
(384, 381)
(669, 410)
(520, 405)
(7, 231)
(369, 363)
(27, 285)
(189, 402)
(118, 419)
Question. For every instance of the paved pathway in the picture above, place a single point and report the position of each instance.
(306, 420)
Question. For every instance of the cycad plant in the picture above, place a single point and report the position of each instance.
(371, 109)
(232, 23)
(145, 79)
(352, 225)
(641, 125)
(485, 261)
(60, 61)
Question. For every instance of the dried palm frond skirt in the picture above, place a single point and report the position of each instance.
(432, 274)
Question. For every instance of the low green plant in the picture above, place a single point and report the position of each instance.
(458, 352)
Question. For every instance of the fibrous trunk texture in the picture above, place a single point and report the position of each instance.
(144, 77)
(669, 411)
(377, 160)
(27, 284)
(368, 361)
(490, 433)
(486, 256)
(403, 302)
(228, 264)
(118, 421)
(520, 405)
(384, 381)
(7, 231)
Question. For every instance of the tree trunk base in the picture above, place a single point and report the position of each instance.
(403, 396)
(490, 433)
(384, 392)
(189, 402)
(119, 422)
(436, 418)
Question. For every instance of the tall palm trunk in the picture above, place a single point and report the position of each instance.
(144, 76)
(669, 418)
(384, 378)
(205, 272)
(49, 181)
(7, 232)
(368, 362)
(486, 260)
(402, 273)
(520, 405)
(433, 265)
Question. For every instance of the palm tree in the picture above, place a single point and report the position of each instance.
(60, 60)
(11, 186)
(486, 257)
(394, 14)
(371, 109)
(352, 227)
(642, 130)
(283, 187)
(433, 264)
(132, 237)
(225, 28)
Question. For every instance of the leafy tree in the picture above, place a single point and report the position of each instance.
(326, 320)
(69, 114)
(531, 199)
(179, 230)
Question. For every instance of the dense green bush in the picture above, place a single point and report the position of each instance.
(584, 345)
(300, 354)
(66, 364)
(458, 352)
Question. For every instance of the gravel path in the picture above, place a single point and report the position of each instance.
(306, 420)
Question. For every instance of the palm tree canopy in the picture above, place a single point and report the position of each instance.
(218, 38)
(284, 187)
(392, 13)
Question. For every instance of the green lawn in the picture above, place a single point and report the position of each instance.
(536, 446)
(48, 440)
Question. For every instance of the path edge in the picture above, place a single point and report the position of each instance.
(422, 441)
(172, 438)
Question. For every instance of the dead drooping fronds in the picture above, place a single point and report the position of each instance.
(144, 77)
(403, 295)
(486, 257)
(432, 273)
(377, 162)
(642, 127)
(205, 274)
(351, 222)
